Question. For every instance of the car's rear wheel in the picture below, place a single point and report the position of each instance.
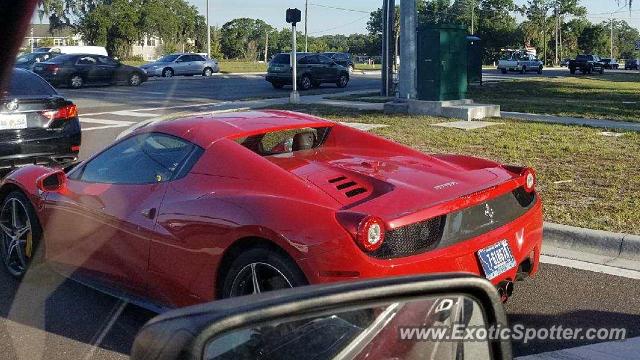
(540, 70)
(76, 81)
(572, 71)
(259, 270)
(523, 70)
(135, 79)
(504, 71)
(305, 82)
(343, 80)
(601, 70)
(207, 72)
(167, 73)
(21, 234)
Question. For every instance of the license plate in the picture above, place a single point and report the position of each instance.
(38, 68)
(13, 121)
(496, 259)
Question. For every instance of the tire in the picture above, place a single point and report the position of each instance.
(277, 85)
(305, 82)
(351, 69)
(540, 70)
(76, 81)
(134, 79)
(572, 71)
(274, 271)
(343, 81)
(208, 72)
(167, 73)
(504, 71)
(17, 259)
(523, 70)
(601, 70)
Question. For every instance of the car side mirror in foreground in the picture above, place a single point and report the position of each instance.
(52, 182)
(423, 317)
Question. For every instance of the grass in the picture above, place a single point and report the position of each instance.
(608, 96)
(585, 179)
(368, 67)
(242, 67)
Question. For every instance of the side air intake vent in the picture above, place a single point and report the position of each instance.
(350, 187)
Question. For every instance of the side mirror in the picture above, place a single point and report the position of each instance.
(378, 319)
(52, 182)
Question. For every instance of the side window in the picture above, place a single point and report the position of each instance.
(182, 59)
(325, 60)
(103, 60)
(197, 58)
(312, 59)
(142, 159)
(86, 60)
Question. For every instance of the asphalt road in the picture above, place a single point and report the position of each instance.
(48, 317)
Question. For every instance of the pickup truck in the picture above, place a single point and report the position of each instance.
(520, 62)
(586, 64)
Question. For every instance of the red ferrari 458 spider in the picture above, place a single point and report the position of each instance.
(184, 211)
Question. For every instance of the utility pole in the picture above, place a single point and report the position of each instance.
(388, 25)
(208, 33)
(473, 16)
(266, 47)
(32, 39)
(611, 56)
(409, 48)
(306, 33)
(557, 12)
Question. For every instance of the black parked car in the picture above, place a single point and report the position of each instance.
(344, 59)
(611, 64)
(313, 71)
(632, 64)
(37, 125)
(586, 64)
(77, 70)
(28, 61)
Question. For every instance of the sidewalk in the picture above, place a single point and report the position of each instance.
(552, 119)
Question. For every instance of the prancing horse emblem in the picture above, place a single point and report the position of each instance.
(489, 212)
(12, 105)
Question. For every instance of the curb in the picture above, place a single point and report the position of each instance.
(604, 243)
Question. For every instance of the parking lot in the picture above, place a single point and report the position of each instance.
(52, 318)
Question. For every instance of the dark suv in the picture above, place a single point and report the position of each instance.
(313, 70)
(632, 64)
(343, 59)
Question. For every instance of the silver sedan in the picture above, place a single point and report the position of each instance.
(182, 64)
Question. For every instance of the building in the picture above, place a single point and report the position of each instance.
(40, 35)
(148, 48)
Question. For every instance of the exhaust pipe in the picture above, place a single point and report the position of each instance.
(505, 290)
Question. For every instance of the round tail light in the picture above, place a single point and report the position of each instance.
(371, 233)
(529, 180)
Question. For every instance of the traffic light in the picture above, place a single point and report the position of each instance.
(294, 16)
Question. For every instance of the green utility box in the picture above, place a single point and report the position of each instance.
(474, 59)
(442, 62)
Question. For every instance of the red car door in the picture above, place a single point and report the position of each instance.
(103, 221)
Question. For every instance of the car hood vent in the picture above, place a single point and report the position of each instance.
(348, 186)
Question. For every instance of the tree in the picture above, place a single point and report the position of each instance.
(244, 38)
(497, 27)
(594, 39)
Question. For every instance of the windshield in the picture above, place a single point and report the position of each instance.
(137, 179)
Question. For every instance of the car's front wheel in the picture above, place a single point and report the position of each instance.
(76, 81)
(343, 80)
(167, 73)
(305, 82)
(20, 234)
(135, 79)
(207, 72)
(259, 270)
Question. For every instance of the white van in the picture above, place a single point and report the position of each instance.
(94, 50)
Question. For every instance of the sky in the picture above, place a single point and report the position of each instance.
(348, 17)
(323, 19)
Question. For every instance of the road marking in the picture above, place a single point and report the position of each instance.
(104, 127)
(114, 317)
(587, 266)
(133, 113)
(105, 121)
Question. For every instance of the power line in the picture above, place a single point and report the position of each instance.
(340, 26)
(340, 8)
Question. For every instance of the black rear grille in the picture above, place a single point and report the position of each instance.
(411, 239)
(455, 227)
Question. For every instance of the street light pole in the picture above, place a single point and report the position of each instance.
(208, 33)
(611, 56)
(295, 96)
(306, 17)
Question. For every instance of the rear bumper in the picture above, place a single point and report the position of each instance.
(524, 236)
(40, 146)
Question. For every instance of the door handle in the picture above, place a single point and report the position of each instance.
(149, 213)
